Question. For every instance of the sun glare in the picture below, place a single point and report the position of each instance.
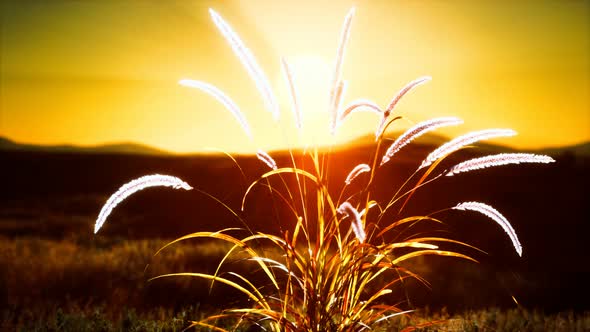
(311, 78)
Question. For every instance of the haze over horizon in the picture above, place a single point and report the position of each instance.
(88, 73)
(132, 148)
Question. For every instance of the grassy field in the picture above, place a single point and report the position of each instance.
(55, 275)
(163, 319)
(101, 284)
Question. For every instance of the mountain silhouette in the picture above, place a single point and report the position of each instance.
(427, 141)
(114, 148)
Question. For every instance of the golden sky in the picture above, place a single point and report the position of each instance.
(92, 72)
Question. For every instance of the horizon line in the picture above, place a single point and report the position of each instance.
(212, 150)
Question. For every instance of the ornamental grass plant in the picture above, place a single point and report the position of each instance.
(334, 267)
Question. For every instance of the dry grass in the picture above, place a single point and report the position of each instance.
(99, 285)
(77, 319)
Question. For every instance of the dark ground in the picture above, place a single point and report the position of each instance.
(52, 199)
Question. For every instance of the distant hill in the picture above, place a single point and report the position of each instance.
(427, 140)
(579, 150)
(116, 148)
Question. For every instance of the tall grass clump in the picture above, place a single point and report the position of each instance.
(332, 267)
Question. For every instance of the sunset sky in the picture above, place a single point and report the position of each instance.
(93, 72)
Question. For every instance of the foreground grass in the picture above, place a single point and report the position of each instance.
(163, 319)
(100, 284)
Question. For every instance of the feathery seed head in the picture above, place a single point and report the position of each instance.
(404, 91)
(357, 225)
(417, 131)
(395, 100)
(493, 214)
(222, 98)
(335, 95)
(358, 106)
(465, 140)
(361, 168)
(249, 62)
(267, 159)
(340, 91)
(134, 186)
(293, 93)
(498, 160)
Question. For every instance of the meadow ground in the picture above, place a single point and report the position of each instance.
(85, 284)
(55, 275)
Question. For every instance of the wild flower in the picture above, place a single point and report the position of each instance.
(325, 277)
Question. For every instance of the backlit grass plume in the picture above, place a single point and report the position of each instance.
(389, 109)
(356, 224)
(267, 159)
(134, 186)
(249, 63)
(337, 92)
(288, 74)
(463, 141)
(496, 216)
(222, 98)
(357, 106)
(333, 267)
(499, 160)
(417, 131)
(361, 168)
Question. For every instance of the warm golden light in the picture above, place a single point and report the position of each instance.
(83, 78)
(311, 76)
